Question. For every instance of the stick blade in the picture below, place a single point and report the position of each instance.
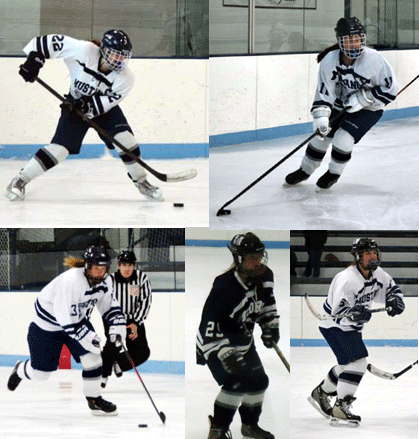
(162, 417)
(380, 373)
(182, 175)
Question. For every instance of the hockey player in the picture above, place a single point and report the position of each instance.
(352, 291)
(133, 292)
(355, 83)
(100, 80)
(61, 316)
(239, 298)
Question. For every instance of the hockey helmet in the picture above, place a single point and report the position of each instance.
(246, 244)
(115, 49)
(351, 37)
(96, 255)
(127, 257)
(361, 245)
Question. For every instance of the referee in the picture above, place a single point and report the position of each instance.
(133, 292)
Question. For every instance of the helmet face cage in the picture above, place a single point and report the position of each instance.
(127, 257)
(245, 245)
(360, 246)
(351, 37)
(96, 256)
(116, 49)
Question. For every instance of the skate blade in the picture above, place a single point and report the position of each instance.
(320, 190)
(335, 422)
(313, 402)
(102, 413)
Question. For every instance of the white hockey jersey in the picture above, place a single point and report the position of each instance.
(82, 60)
(350, 288)
(370, 71)
(68, 300)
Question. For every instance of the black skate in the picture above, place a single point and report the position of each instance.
(14, 379)
(326, 181)
(255, 432)
(100, 407)
(341, 414)
(296, 177)
(320, 400)
(218, 432)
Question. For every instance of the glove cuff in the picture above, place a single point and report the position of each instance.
(321, 112)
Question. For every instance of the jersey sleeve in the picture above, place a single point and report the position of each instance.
(109, 308)
(268, 314)
(144, 301)
(341, 299)
(56, 46)
(386, 89)
(325, 95)
(213, 329)
(102, 103)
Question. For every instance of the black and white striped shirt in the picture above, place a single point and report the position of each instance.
(133, 295)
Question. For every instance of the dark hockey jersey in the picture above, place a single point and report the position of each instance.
(231, 311)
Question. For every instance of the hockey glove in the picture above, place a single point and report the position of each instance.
(30, 68)
(360, 314)
(117, 333)
(72, 104)
(321, 121)
(358, 100)
(232, 360)
(396, 303)
(270, 334)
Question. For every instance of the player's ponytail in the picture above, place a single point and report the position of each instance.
(73, 262)
(95, 41)
(322, 54)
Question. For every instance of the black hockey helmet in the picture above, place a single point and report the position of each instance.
(116, 49)
(361, 245)
(127, 256)
(96, 255)
(345, 29)
(246, 244)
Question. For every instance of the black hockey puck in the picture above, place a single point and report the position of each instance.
(142, 425)
(223, 212)
(178, 204)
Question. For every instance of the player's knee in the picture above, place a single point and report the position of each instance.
(39, 375)
(359, 365)
(59, 152)
(343, 141)
(127, 139)
(256, 383)
(91, 361)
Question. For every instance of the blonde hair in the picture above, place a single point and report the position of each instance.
(95, 41)
(73, 262)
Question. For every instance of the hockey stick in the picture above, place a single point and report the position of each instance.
(281, 356)
(162, 416)
(387, 375)
(170, 178)
(339, 316)
(223, 211)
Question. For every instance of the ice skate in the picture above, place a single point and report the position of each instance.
(218, 432)
(320, 400)
(296, 177)
(255, 432)
(341, 414)
(326, 181)
(16, 188)
(14, 379)
(148, 190)
(117, 369)
(101, 407)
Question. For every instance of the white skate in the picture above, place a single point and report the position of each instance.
(148, 190)
(16, 188)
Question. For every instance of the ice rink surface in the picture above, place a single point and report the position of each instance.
(379, 188)
(98, 191)
(388, 409)
(57, 408)
(203, 265)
